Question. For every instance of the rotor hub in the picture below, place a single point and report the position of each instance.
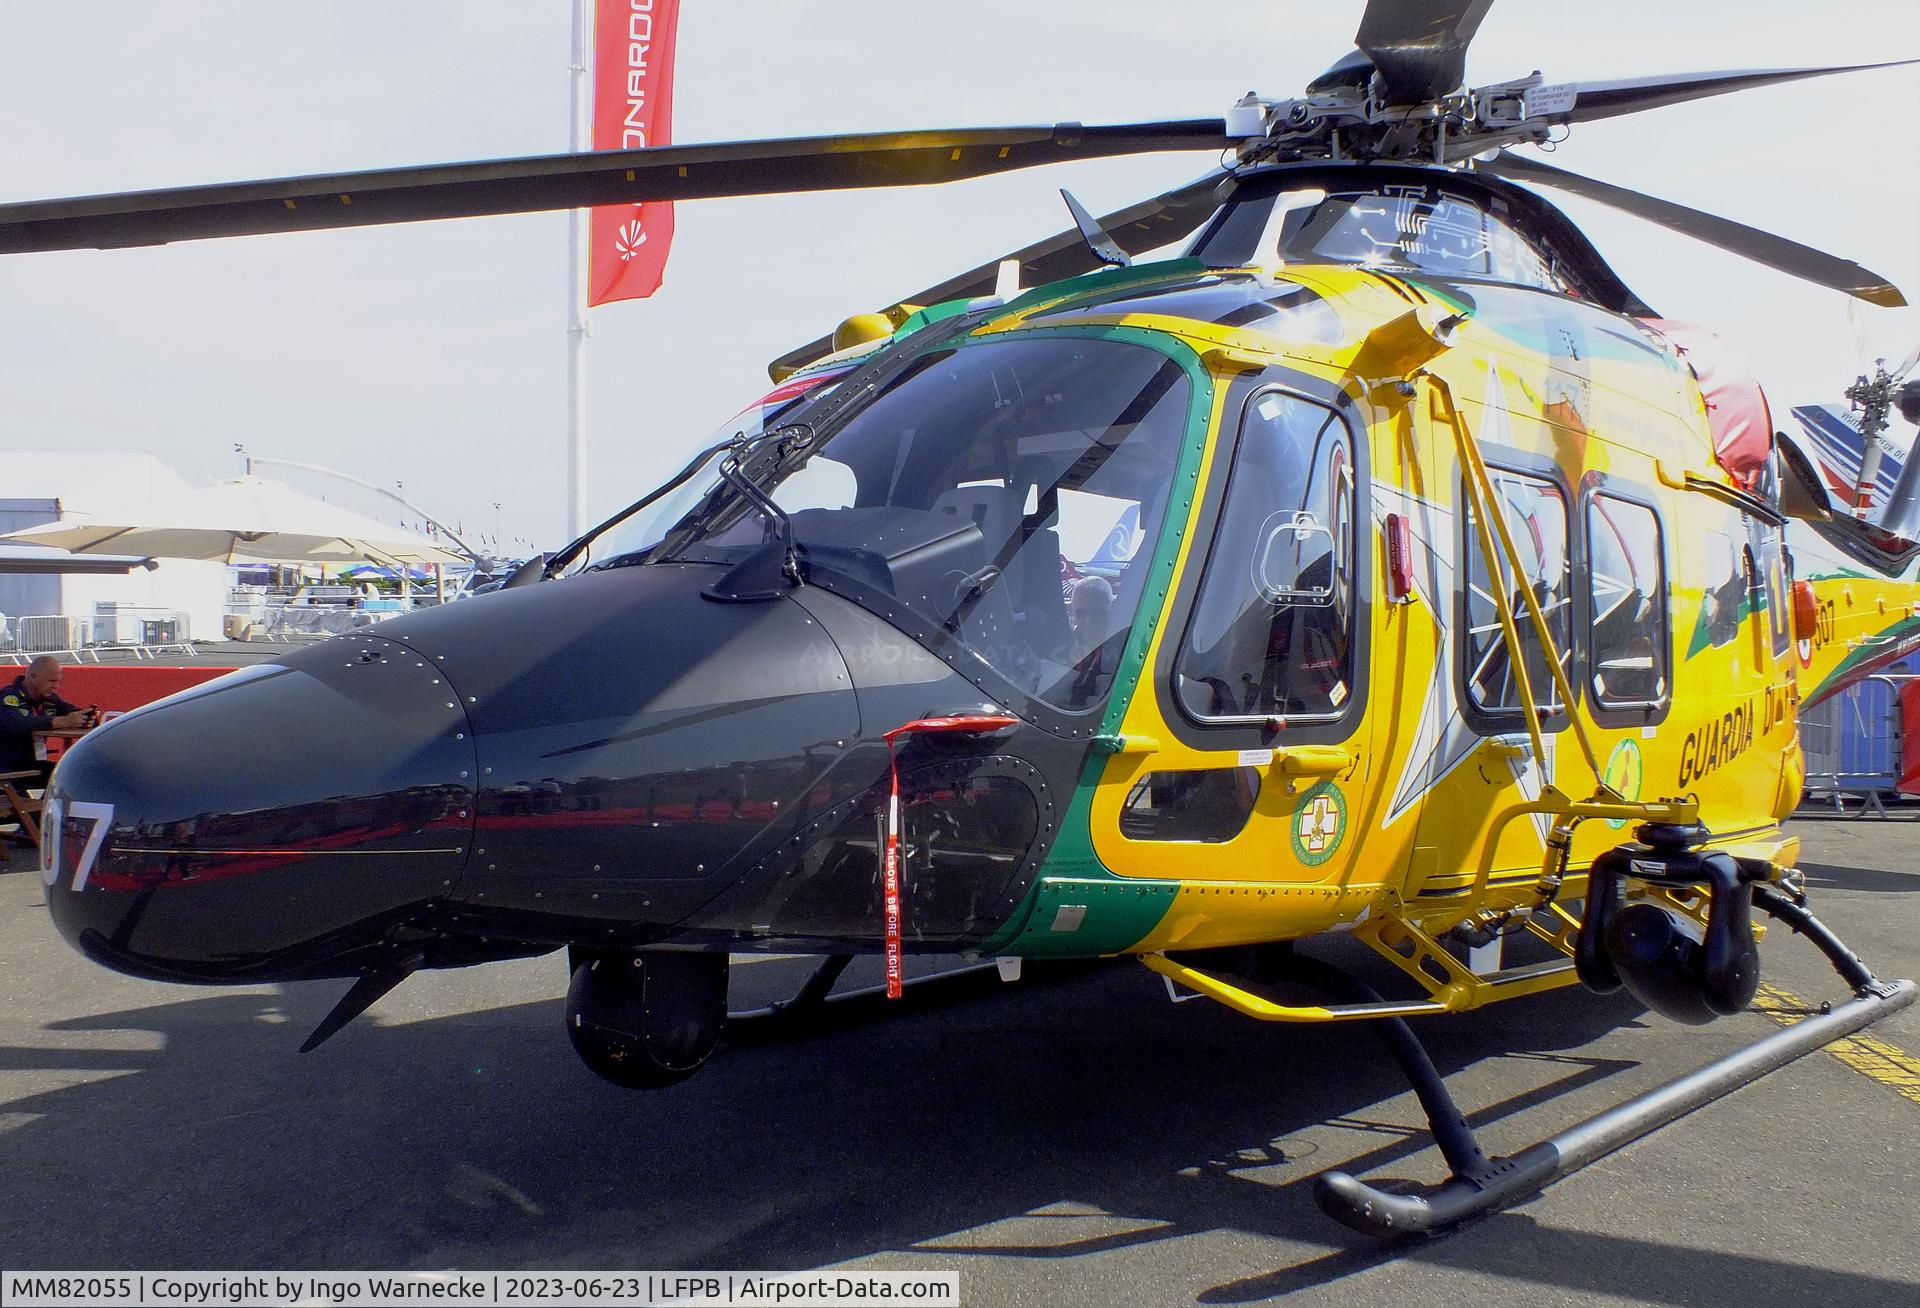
(1348, 115)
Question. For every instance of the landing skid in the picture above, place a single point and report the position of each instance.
(1480, 1185)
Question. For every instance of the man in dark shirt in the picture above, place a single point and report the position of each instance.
(32, 703)
(1094, 650)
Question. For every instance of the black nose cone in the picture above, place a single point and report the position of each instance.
(637, 739)
(280, 821)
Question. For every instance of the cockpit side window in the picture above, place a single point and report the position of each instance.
(1272, 632)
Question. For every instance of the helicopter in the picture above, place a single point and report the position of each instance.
(1379, 565)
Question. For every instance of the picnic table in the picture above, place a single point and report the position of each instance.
(49, 745)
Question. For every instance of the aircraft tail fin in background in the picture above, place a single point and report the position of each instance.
(1832, 435)
(1820, 477)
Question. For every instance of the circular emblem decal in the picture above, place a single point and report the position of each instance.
(1623, 773)
(1319, 824)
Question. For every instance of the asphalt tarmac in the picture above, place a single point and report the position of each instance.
(1063, 1140)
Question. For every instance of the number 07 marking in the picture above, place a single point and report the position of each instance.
(54, 819)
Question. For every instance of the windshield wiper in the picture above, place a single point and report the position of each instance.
(787, 441)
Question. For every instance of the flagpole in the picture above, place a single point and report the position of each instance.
(577, 283)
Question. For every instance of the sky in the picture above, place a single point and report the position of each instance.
(433, 355)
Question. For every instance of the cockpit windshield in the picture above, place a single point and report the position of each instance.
(1006, 491)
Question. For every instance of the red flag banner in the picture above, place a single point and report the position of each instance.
(632, 109)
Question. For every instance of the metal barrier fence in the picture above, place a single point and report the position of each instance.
(143, 632)
(45, 634)
(140, 633)
(1853, 742)
(145, 629)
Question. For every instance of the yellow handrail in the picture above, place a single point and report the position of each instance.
(1486, 515)
(1605, 802)
(1252, 1005)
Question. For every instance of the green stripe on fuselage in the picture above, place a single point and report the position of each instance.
(1882, 649)
(1117, 910)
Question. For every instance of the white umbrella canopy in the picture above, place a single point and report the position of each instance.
(249, 520)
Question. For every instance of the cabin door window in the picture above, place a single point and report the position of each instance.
(1536, 515)
(1627, 591)
(1272, 633)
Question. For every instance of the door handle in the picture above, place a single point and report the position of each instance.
(1508, 747)
(1311, 761)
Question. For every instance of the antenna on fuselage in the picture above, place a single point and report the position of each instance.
(1104, 247)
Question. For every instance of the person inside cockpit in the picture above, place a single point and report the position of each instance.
(1095, 650)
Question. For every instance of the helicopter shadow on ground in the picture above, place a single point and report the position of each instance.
(1512, 1245)
(1827, 876)
(478, 1140)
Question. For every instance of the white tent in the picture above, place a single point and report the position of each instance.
(41, 488)
(245, 520)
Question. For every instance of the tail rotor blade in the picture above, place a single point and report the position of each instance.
(1776, 252)
(1862, 339)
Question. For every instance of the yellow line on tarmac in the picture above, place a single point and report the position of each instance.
(1890, 1065)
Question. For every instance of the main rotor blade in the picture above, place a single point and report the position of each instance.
(1151, 223)
(1419, 47)
(1595, 100)
(571, 181)
(1777, 252)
